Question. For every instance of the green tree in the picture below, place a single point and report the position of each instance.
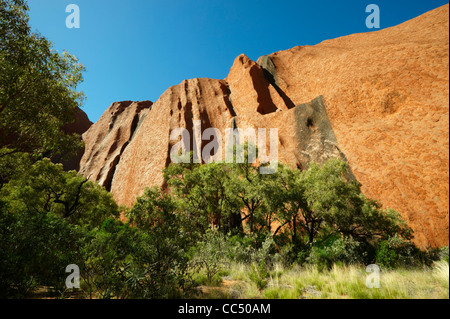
(343, 207)
(12, 165)
(109, 267)
(46, 187)
(210, 253)
(250, 188)
(166, 236)
(321, 203)
(37, 88)
(35, 248)
(206, 194)
(285, 192)
(45, 215)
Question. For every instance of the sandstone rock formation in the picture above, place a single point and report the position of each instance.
(108, 138)
(386, 94)
(378, 100)
(80, 125)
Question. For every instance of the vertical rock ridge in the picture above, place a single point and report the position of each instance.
(148, 153)
(107, 139)
(250, 90)
(270, 72)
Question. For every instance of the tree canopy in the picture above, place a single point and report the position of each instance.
(38, 87)
(304, 206)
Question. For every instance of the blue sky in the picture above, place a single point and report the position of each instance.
(136, 49)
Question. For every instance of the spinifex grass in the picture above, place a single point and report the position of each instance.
(342, 282)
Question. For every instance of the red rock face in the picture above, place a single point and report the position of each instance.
(80, 125)
(148, 153)
(250, 90)
(386, 94)
(107, 139)
(378, 100)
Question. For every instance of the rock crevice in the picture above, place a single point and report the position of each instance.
(110, 135)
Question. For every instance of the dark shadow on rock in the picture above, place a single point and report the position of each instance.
(316, 140)
(271, 75)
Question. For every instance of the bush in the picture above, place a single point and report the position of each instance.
(443, 255)
(164, 240)
(46, 214)
(209, 254)
(285, 255)
(240, 248)
(35, 249)
(396, 251)
(335, 250)
(264, 255)
(259, 275)
(386, 256)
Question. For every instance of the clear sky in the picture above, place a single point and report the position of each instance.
(136, 49)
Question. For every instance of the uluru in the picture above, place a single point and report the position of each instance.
(378, 100)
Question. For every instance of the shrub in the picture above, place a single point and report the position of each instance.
(386, 256)
(35, 249)
(240, 248)
(161, 251)
(209, 254)
(259, 275)
(285, 255)
(443, 254)
(396, 251)
(264, 255)
(336, 250)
